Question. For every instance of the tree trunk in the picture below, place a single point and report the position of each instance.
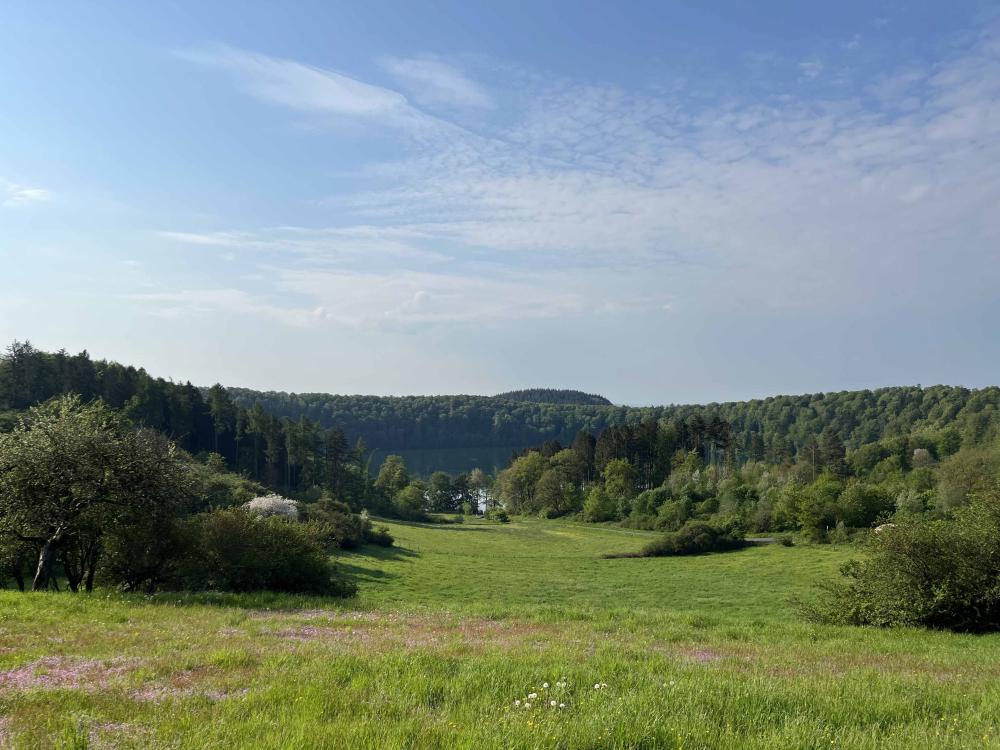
(94, 554)
(19, 576)
(47, 556)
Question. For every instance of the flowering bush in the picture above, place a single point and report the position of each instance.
(273, 505)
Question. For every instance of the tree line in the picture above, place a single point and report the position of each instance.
(292, 456)
(761, 429)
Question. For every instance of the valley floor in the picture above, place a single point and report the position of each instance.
(457, 623)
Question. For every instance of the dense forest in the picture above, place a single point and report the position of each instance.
(769, 427)
(288, 456)
(554, 396)
(824, 467)
(297, 441)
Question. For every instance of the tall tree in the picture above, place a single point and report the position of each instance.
(69, 470)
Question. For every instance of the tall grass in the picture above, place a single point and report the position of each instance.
(452, 628)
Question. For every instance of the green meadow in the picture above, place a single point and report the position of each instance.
(495, 636)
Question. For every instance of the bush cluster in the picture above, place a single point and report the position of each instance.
(694, 538)
(925, 571)
(236, 550)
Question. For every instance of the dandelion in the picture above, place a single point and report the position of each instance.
(517, 702)
(552, 703)
(597, 686)
(562, 705)
(527, 705)
(545, 686)
(532, 696)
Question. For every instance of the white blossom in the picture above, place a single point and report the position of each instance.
(273, 505)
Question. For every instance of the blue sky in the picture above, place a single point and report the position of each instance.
(660, 202)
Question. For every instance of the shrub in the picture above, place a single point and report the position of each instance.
(335, 525)
(497, 514)
(213, 487)
(233, 550)
(921, 571)
(694, 538)
(379, 536)
(273, 505)
(599, 506)
(409, 503)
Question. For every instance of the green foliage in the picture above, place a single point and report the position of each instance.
(336, 526)
(694, 538)
(497, 514)
(410, 501)
(392, 476)
(71, 474)
(516, 484)
(599, 506)
(233, 550)
(967, 472)
(554, 396)
(922, 571)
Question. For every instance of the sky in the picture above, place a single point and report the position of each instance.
(661, 202)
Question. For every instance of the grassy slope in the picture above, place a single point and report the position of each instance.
(458, 622)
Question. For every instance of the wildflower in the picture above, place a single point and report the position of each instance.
(517, 702)
(545, 686)
(597, 686)
(562, 705)
(552, 703)
(527, 705)
(532, 695)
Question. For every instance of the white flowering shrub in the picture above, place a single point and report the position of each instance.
(273, 505)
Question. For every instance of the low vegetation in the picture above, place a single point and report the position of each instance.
(925, 571)
(87, 497)
(456, 623)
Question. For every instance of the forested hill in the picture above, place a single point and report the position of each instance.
(785, 422)
(554, 396)
(776, 426)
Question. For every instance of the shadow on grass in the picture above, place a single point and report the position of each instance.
(442, 526)
(358, 574)
(378, 553)
(348, 566)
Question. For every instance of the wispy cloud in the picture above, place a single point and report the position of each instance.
(434, 82)
(322, 246)
(16, 196)
(300, 86)
(810, 68)
(198, 303)
(593, 197)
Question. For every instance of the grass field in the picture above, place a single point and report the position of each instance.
(456, 623)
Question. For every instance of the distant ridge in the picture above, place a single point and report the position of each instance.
(554, 396)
